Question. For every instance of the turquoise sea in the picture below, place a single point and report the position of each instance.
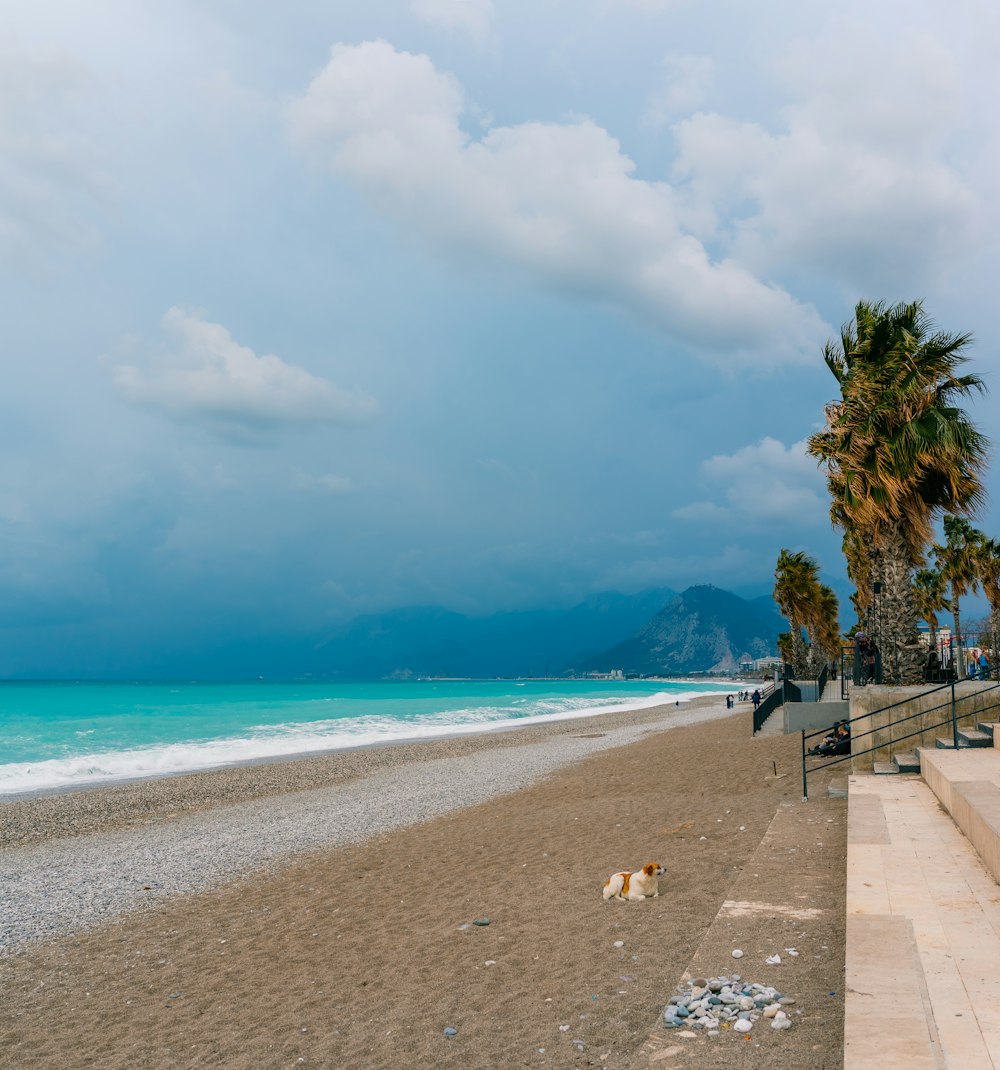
(62, 735)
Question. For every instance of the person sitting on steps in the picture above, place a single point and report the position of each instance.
(836, 743)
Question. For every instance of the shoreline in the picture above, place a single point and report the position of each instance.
(345, 743)
(74, 810)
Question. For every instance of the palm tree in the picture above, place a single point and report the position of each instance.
(810, 605)
(988, 567)
(958, 562)
(898, 452)
(930, 596)
(824, 627)
(786, 647)
(795, 577)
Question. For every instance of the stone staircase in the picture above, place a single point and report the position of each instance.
(923, 912)
(908, 761)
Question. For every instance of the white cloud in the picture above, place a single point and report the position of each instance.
(208, 378)
(473, 17)
(764, 483)
(686, 80)
(556, 199)
(854, 182)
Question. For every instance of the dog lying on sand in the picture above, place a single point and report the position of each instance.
(634, 886)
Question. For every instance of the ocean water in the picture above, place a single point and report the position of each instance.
(61, 735)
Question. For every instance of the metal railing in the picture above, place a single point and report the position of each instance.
(951, 704)
(770, 699)
(821, 682)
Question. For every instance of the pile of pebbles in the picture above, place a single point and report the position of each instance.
(726, 1003)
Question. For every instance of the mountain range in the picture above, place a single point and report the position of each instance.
(431, 641)
(705, 629)
(654, 632)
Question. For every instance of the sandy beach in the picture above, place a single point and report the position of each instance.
(350, 943)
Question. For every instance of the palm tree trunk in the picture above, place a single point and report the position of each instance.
(902, 655)
(816, 659)
(799, 654)
(959, 653)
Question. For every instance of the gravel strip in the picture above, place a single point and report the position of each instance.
(64, 886)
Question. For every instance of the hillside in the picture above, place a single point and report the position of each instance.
(704, 629)
(430, 641)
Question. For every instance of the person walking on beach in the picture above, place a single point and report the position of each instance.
(756, 698)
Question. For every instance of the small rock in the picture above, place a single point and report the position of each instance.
(481, 921)
(791, 951)
(742, 1025)
(491, 962)
(564, 1029)
(781, 1021)
(737, 954)
(618, 943)
(774, 960)
(450, 1031)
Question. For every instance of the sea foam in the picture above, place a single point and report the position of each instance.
(262, 742)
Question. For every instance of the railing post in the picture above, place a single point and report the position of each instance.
(954, 718)
(805, 788)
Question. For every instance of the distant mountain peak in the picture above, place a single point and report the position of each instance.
(703, 629)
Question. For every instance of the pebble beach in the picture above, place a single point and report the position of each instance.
(331, 899)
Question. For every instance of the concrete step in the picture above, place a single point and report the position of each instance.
(885, 768)
(967, 738)
(968, 786)
(922, 930)
(973, 737)
(906, 761)
(987, 727)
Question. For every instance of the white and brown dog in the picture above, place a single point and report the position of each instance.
(634, 886)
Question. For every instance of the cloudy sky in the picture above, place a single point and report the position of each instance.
(321, 308)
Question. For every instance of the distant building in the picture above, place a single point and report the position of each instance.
(943, 635)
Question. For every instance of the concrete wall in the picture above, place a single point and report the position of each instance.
(808, 690)
(972, 698)
(810, 716)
